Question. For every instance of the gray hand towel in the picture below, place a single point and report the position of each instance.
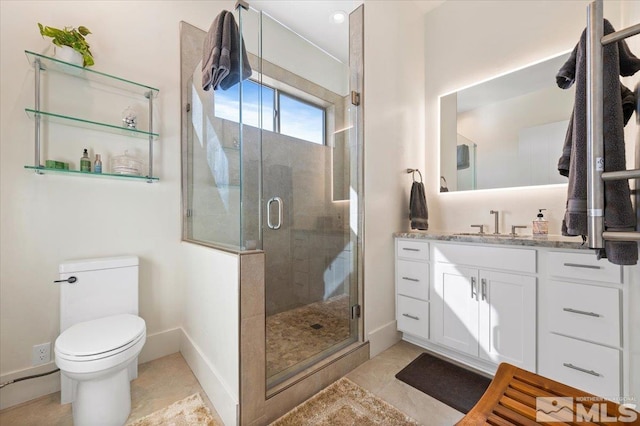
(618, 215)
(418, 213)
(237, 48)
(212, 70)
(221, 54)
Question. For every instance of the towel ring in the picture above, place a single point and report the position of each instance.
(413, 172)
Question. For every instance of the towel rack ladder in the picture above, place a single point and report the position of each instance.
(596, 176)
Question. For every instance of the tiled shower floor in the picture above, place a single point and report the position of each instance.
(295, 335)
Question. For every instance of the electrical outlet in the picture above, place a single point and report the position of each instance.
(41, 353)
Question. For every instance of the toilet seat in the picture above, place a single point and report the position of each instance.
(100, 338)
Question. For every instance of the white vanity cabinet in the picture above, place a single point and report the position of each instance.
(582, 337)
(412, 287)
(548, 306)
(480, 307)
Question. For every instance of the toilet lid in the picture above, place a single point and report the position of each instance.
(100, 335)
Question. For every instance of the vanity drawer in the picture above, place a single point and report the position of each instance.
(583, 266)
(586, 366)
(412, 279)
(407, 249)
(508, 259)
(585, 311)
(413, 316)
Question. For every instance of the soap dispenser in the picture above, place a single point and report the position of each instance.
(540, 225)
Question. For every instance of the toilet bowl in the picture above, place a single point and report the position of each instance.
(97, 355)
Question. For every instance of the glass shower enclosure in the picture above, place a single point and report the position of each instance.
(273, 163)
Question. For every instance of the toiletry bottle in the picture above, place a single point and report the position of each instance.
(85, 162)
(97, 166)
(540, 225)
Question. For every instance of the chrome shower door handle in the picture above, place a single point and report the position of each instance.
(280, 209)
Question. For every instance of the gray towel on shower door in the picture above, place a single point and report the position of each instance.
(618, 212)
(221, 54)
(418, 213)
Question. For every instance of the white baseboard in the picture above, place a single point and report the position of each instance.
(224, 402)
(27, 390)
(157, 345)
(383, 338)
(161, 344)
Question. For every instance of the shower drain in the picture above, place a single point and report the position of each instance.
(316, 326)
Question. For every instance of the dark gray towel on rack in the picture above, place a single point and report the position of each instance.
(221, 54)
(628, 106)
(462, 155)
(418, 212)
(618, 212)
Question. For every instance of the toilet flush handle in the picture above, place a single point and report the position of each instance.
(69, 280)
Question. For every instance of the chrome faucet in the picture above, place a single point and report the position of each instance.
(514, 228)
(481, 229)
(497, 213)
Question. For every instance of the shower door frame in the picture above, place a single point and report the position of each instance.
(354, 217)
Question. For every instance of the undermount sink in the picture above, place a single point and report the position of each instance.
(476, 234)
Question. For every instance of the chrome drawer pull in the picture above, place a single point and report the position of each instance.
(474, 294)
(410, 249)
(577, 265)
(575, 311)
(411, 279)
(593, 373)
(411, 316)
(484, 288)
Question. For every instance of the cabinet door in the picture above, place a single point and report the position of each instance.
(507, 321)
(455, 308)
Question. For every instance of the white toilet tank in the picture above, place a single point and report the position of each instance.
(103, 287)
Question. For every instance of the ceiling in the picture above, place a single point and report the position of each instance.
(313, 20)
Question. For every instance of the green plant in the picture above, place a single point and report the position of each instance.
(72, 37)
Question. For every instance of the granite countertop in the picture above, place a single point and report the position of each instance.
(553, 241)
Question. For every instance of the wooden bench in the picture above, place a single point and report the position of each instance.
(510, 399)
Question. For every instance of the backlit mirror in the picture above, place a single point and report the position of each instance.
(507, 131)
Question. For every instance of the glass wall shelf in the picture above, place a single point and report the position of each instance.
(47, 63)
(92, 125)
(44, 170)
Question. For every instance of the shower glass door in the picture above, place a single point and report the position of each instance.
(309, 167)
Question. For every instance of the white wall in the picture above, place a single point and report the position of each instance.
(211, 324)
(394, 141)
(47, 219)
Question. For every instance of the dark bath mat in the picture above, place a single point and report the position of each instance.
(446, 382)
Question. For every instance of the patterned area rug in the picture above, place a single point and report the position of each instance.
(186, 412)
(344, 404)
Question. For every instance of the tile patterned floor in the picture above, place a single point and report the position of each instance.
(169, 379)
(378, 376)
(160, 383)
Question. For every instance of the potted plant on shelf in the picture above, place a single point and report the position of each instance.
(70, 40)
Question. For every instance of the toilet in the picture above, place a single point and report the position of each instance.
(101, 336)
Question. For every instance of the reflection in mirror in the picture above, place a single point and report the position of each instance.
(507, 131)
